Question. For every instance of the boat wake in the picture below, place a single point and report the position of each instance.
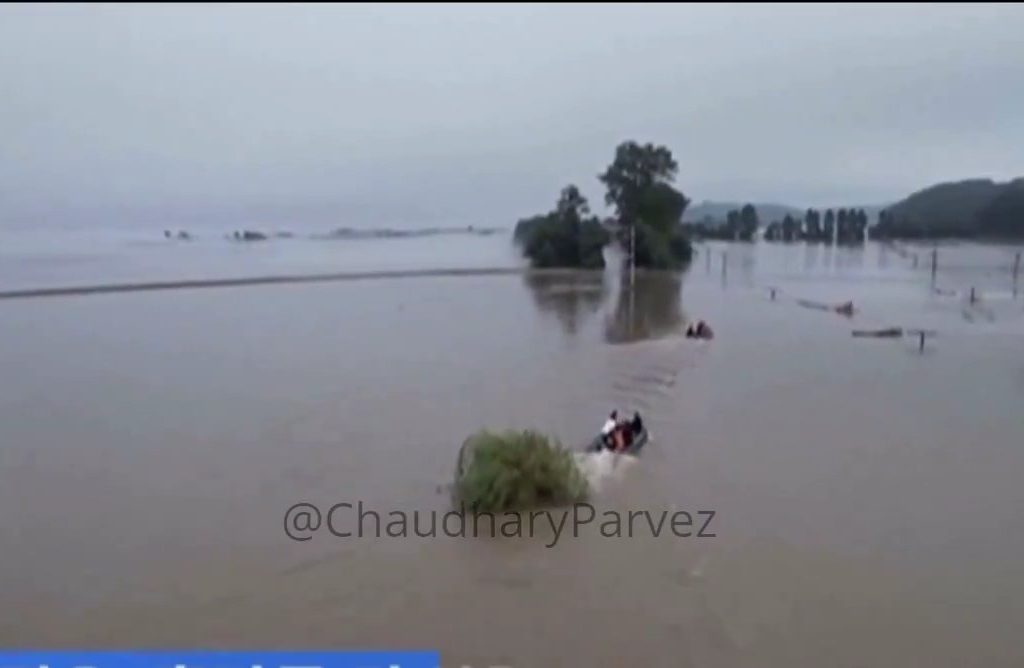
(604, 469)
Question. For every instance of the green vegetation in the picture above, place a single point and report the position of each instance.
(713, 214)
(565, 237)
(639, 186)
(962, 209)
(515, 470)
(845, 226)
(1004, 215)
(740, 225)
(648, 208)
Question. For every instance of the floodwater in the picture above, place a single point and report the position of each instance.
(866, 493)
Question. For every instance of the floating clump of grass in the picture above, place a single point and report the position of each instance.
(516, 470)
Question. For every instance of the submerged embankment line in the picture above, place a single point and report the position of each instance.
(107, 288)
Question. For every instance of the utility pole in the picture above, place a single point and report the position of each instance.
(632, 255)
(632, 276)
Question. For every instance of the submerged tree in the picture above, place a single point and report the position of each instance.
(732, 224)
(790, 228)
(851, 225)
(638, 184)
(812, 225)
(565, 237)
(829, 227)
(748, 222)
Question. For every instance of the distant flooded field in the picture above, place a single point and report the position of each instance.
(866, 494)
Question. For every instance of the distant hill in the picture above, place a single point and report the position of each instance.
(714, 213)
(968, 208)
(945, 208)
(1004, 215)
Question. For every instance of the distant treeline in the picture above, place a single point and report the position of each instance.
(845, 226)
(649, 211)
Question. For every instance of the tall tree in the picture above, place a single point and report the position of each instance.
(748, 222)
(790, 228)
(639, 186)
(635, 169)
(862, 225)
(811, 230)
(732, 224)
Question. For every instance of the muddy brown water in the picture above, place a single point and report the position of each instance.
(867, 496)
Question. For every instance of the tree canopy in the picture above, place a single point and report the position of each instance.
(631, 176)
(638, 184)
(564, 237)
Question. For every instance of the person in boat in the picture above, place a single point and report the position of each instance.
(700, 330)
(620, 437)
(608, 430)
(636, 425)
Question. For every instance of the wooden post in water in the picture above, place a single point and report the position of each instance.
(921, 333)
(707, 256)
(724, 258)
(935, 263)
(973, 297)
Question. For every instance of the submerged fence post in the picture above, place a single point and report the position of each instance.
(935, 263)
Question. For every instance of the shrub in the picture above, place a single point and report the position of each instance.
(515, 470)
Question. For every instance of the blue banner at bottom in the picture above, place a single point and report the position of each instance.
(219, 659)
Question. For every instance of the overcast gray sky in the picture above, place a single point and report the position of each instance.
(395, 114)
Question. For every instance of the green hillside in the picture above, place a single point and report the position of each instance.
(952, 210)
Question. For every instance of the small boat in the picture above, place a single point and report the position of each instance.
(633, 448)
